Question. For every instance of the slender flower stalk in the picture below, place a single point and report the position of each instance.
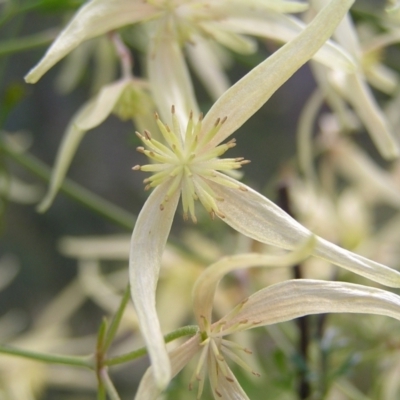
(188, 164)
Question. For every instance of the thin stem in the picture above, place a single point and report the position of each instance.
(303, 323)
(112, 330)
(27, 43)
(124, 55)
(109, 386)
(185, 331)
(72, 189)
(85, 362)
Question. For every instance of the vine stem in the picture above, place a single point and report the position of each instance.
(76, 361)
(184, 331)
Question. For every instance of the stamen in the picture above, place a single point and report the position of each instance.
(187, 163)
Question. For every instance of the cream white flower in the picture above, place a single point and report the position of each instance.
(277, 303)
(172, 23)
(188, 164)
(354, 89)
(128, 98)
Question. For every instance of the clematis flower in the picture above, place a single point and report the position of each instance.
(277, 303)
(172, 23)
(188, 163)
(353, 88)
(128, 98)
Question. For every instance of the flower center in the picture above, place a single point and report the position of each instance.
(186, 164)
(213, 359)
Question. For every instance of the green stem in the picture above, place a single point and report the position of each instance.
(109, 386)
(85, 362)
(185, 331)
(27, 43)
(72, 189)
(112, 330)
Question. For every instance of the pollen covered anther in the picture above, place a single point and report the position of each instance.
(188, 164)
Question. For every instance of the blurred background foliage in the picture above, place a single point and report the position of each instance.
(35, 116)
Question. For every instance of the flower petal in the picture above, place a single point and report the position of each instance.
(169, 77)
(283, 29)
(244, 98)
(206, 284)
(92, 19)
(88, 116)
(147, 245)
(222, 388)
(102, 105)
(210, 73)
(360, 97)
(295, 298)
(257, 217)
(178, 357)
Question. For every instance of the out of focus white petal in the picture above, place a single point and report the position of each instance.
(147, 245)
(92, 19)
(207, 66)
(101, 106)
(244, 98)
(88, 116)
(169, 77)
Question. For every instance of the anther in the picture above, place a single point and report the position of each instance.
(201, 116)
(138, 135)
(161, 207)
(156, 115)
(218, 393)
(229, 379)
(147, 134)
(140, 149)
(173, 109)
(136, 168)
(216, 123)
(224, 119)
(191, 114)
(147, 187)
(242, 188)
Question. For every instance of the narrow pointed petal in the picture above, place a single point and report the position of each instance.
(102, 105)
(169, 77)
(93, 19)
(295, 298)
(70, 142)
(206, 284)
(253, 215)
(210, 73)
(178, 357)
(244, 98)
(360, 97)
(283, 29)
(147, 245)
(228, 390)
(88, 116)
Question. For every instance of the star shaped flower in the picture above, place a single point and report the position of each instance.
(277, 303)
(198, 24)
(188, 164)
